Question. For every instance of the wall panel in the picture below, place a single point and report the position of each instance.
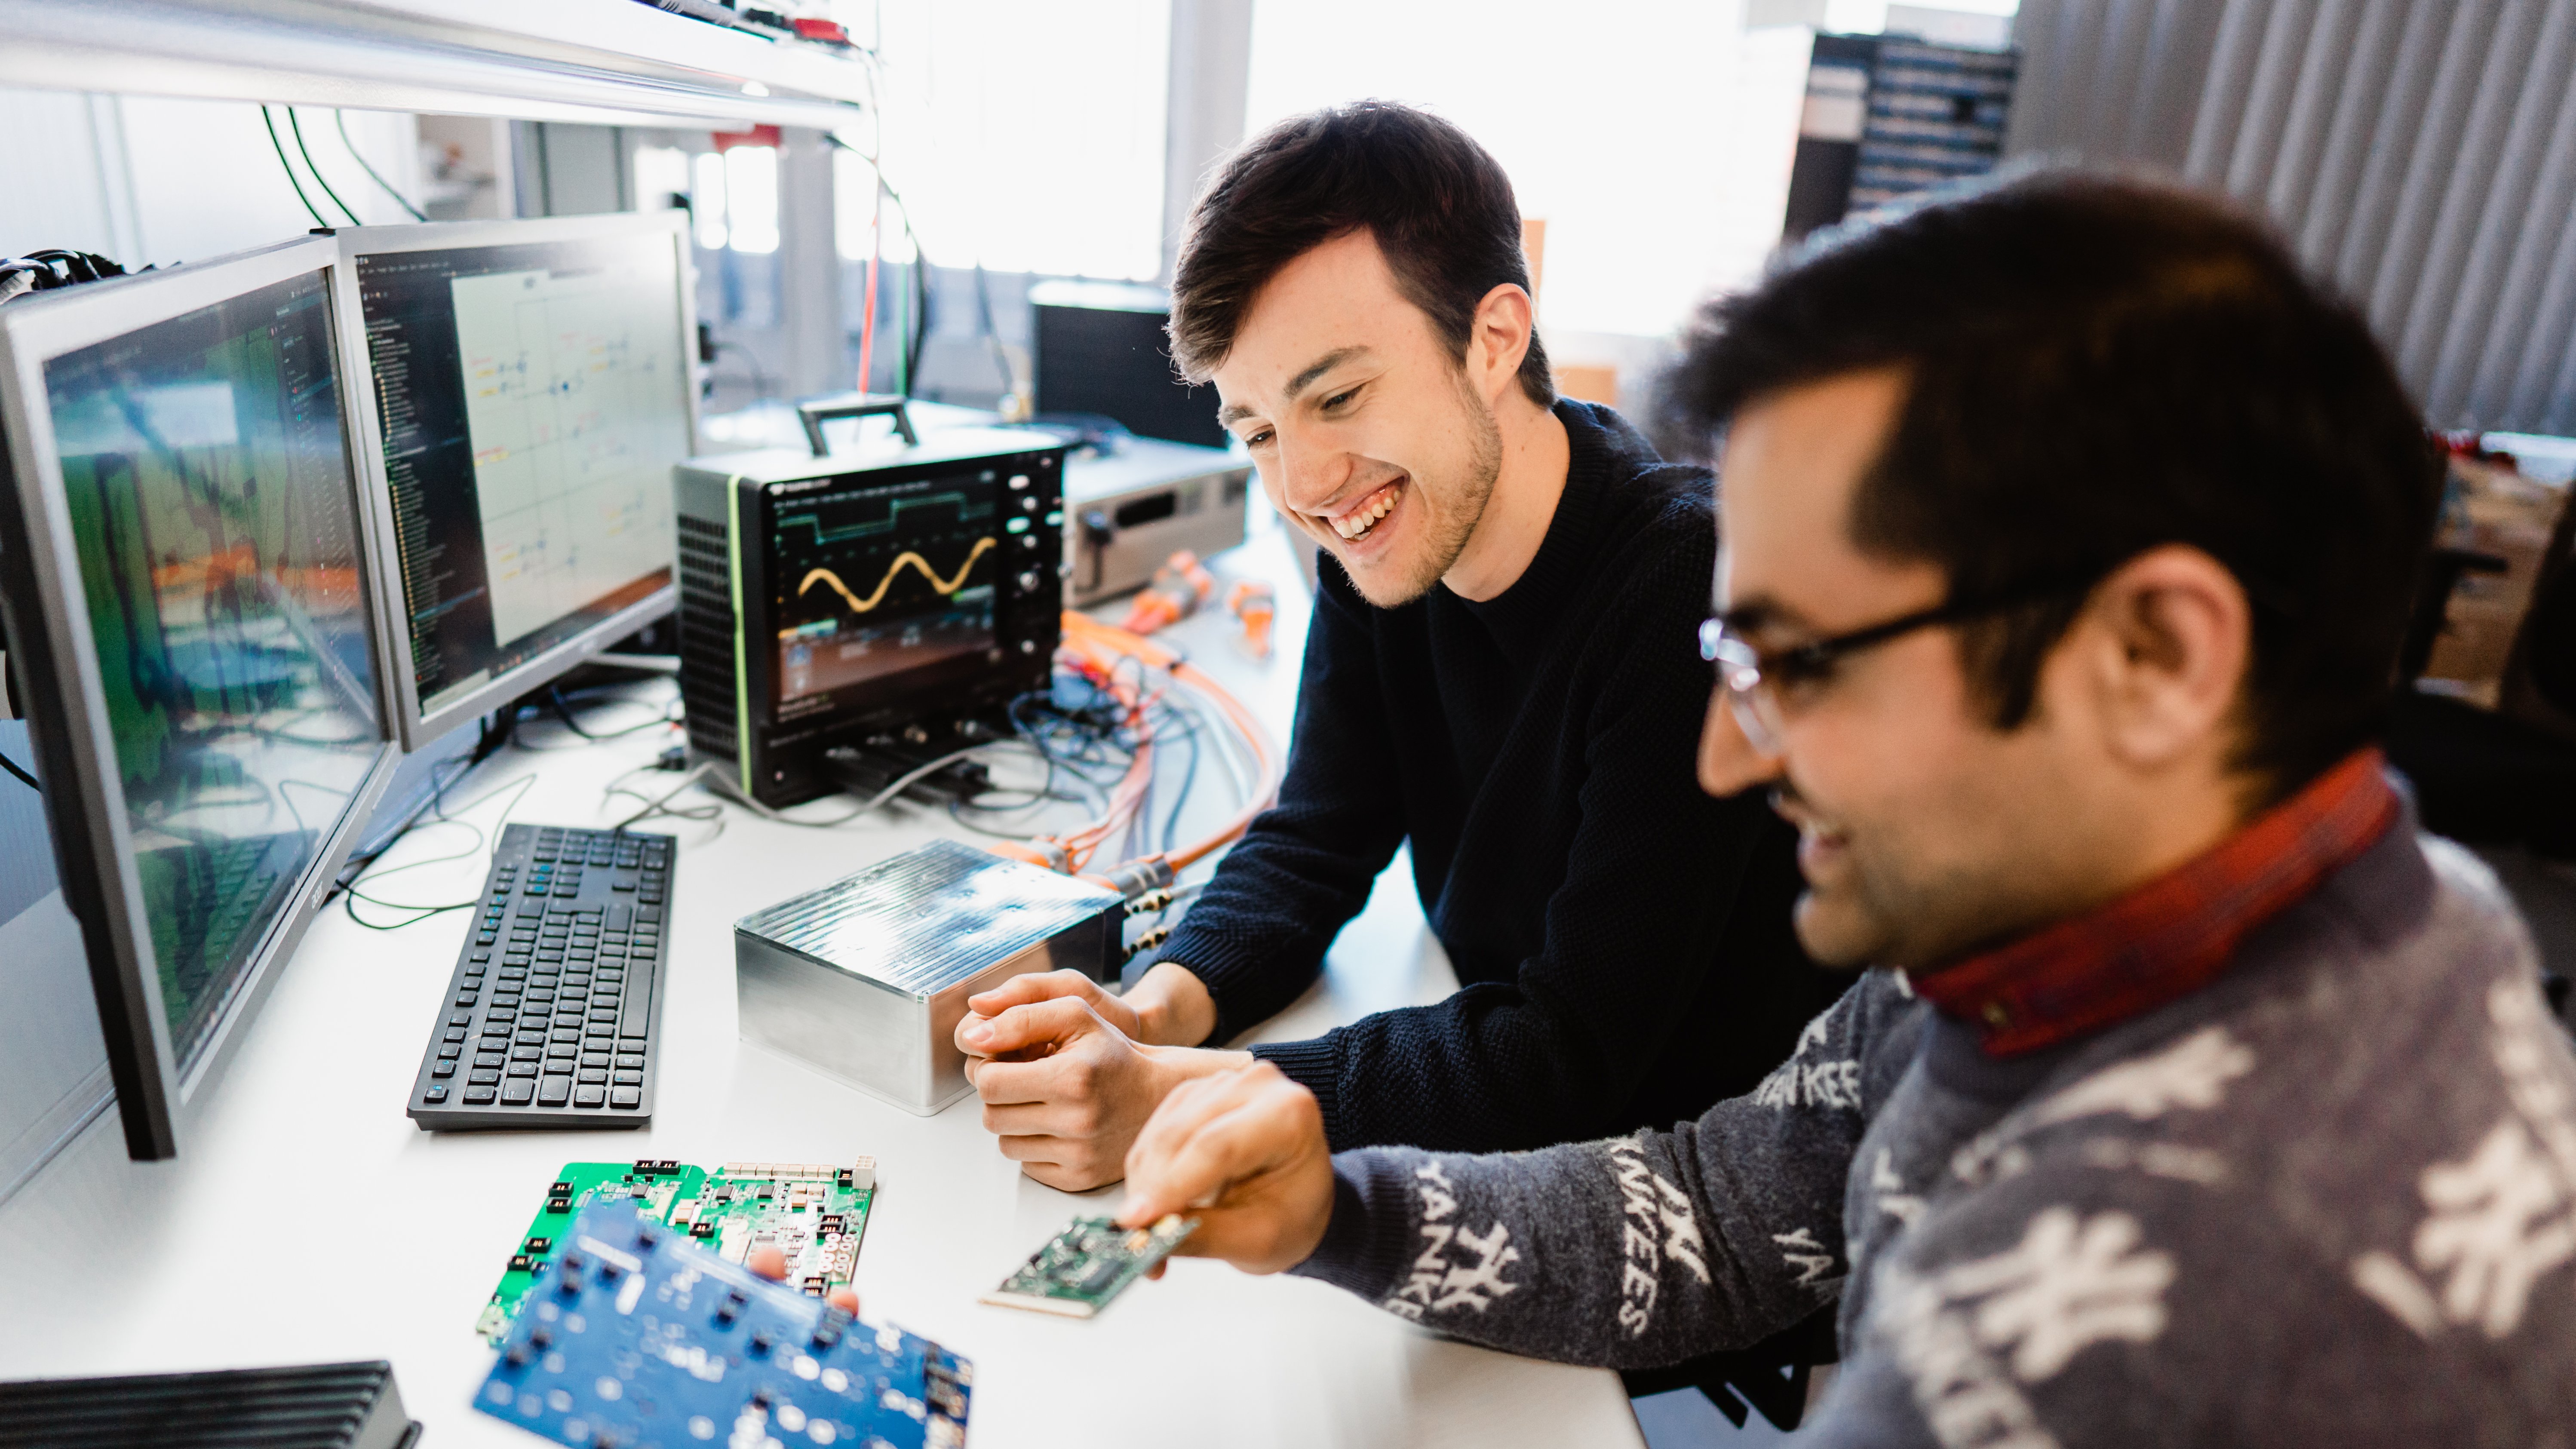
(2421, 155)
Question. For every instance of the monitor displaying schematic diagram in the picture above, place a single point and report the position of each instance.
(528, 388)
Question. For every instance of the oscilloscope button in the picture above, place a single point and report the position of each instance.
(1028, 540)
(1019, 480)
(1029, 581)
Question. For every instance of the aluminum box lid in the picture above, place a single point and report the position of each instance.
(929, 918)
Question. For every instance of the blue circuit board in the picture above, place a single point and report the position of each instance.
(634, 1338)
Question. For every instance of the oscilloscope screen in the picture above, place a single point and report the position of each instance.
(883, 588)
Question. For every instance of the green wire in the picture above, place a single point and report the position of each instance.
(341, 119)
(297, 127)
(271, 122)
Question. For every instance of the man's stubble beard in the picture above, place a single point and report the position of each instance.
(1455, 522)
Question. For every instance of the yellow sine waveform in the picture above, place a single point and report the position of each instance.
(877, 596)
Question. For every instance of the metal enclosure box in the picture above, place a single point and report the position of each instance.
(866, 979)
(1129, 510)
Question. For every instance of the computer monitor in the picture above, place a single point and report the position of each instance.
(525, 391)
(187, 599)
(1100, 351)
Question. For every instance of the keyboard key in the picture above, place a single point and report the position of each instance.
(555, 1092)
(438, 1094)
(518, 1092)
(590, 1097)
(476, 1096)
(594, 1059)
(628, 1079)
(632, 1060)
(591, 1077)
(446, 1069)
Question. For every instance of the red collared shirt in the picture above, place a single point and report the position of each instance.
(2173, 935)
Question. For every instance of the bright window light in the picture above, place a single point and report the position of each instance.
(853, 180)
(708, 198)
(751, 197)
(1654, 136)
(1027, 135)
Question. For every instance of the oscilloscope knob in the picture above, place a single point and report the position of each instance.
(1029, 581)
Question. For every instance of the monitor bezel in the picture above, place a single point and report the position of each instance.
(414, 726)
(49, 626)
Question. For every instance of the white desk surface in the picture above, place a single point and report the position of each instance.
(307, 1220)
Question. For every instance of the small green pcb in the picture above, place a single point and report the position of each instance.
(813, 1213)
(1089, 1263)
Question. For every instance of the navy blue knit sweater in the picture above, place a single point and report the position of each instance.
(1621, 940)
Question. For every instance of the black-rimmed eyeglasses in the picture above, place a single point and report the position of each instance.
(1752, 679)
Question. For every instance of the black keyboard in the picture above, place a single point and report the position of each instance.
(549, 1021)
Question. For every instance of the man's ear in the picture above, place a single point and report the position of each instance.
(2169, 642)
(1499, 337)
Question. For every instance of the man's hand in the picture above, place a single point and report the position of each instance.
(986, 1007)
(1242, 1151)
(1066, 1089)
(771, 1263)
(1168, 1006)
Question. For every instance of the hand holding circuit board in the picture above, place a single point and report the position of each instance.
(1244, 1153)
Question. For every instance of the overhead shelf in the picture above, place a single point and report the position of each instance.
(612, 62)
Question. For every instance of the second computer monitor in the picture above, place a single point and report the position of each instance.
(525, 392)
(182, 568)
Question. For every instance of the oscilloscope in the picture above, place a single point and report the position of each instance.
(908, 590)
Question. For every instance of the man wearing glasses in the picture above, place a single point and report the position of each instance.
(2189, 1095)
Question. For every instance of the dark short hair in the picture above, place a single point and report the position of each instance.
(1439, 206)
(2098, 365)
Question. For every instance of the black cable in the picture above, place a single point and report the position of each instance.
(917, 326)
(421, 912)
(13, 768)
(342, 120)
(297, 127)
(291, 179)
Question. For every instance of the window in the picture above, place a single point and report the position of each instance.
(750, 193)
(707, 200)
(1653, 136)
(1025, 135)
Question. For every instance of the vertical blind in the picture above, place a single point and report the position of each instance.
(2420, 154)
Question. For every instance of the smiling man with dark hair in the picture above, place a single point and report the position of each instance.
(1505, 574)
(2190, 1096)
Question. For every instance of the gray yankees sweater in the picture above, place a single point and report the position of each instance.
(2330, 1199)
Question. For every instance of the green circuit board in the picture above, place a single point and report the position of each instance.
(814, 1213)
(1090, 1262)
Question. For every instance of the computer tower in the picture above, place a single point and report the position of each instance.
(902, 593)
